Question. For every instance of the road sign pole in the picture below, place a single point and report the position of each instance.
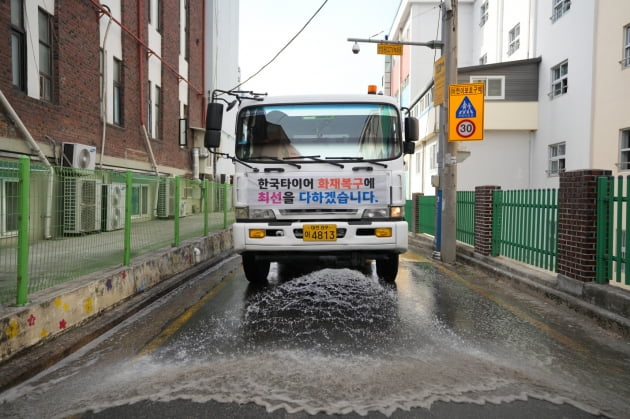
(448, 179)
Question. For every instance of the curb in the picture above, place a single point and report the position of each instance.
(608, 306)
(31, 361)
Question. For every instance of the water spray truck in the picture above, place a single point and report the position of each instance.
(319, 180)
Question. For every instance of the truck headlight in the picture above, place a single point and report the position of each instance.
(391, 212)
(261, 214)
(397, 212)
(376, 213)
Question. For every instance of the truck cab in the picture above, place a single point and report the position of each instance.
(319, 180)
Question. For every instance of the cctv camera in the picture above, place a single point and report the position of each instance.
(355, 48)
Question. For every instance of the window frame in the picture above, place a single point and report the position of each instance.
(483, 11)
(557, 159)
(45, 71)
(625, 62)
(117, 93)
(4, 212)
(559, 8)
(139, 201)
(157, 105)
(485, 80)
(514, 39)
(559, 83)
(18, 47)
(624, 150)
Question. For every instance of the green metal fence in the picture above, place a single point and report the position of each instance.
(465, 231)
(612, 240)
(426, 214)
(60, 223)
(525, 225)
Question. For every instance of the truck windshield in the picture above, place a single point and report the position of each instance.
(310, 132)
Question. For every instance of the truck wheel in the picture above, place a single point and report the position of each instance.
(256, 271)
(387, 267)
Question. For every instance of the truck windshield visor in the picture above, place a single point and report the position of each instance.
(331, 131)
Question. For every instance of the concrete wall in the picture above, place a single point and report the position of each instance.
(61, 308)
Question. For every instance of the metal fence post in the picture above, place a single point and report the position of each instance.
(127, 236)
(603, 265)
(206, 206)
(23, 231)
(496, 222)
(176, 205)
(225, 205)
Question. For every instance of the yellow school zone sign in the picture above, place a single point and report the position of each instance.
(465, 111)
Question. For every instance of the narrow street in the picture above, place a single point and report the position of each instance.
(442, 342)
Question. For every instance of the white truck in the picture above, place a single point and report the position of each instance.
(319, 180)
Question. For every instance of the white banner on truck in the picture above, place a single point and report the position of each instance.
(317, 190)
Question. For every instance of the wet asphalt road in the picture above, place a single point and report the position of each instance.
(443, 342)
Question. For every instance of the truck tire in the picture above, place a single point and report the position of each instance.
(256, 271)
(387, 267)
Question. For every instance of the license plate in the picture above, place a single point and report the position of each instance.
(319, 232)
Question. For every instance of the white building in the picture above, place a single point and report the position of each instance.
(532, 131)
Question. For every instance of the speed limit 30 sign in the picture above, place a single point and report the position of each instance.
(465, 128)
(466, 103)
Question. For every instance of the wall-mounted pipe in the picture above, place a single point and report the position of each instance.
(32, 144)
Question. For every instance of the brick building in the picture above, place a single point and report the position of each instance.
(112, 85)
(67, 66)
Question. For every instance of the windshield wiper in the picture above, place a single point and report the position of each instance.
(357, 159)
(315, 158)
(284, 160)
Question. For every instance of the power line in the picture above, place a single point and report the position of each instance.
(283, 48)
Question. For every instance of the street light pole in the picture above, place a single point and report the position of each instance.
(448, 177)
(446, 227)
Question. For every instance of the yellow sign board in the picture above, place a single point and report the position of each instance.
(465, 111)
(439, 71)
(389, 49)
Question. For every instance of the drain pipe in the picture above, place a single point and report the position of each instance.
(104, 88)
(195, 158)
(34, 147)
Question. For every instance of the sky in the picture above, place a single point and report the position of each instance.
(320, 59)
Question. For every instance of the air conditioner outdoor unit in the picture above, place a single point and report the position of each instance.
(164, 199)
(113, 206)
(78, 156)
(81, 205)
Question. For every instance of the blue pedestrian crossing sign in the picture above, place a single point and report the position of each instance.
(465, 111)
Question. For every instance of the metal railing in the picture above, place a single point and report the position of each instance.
(59, 223)
(612, 240)
(525, 226)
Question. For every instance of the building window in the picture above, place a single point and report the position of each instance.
(626, 46)
(157, 119)
(624, 150)
(559, 79)
(556, 159)
(560, 7)
(433, 150)
(45, 56)
(18, 45)
(117, 94)
(149, 112)
(483, 60)
(140, 201)
(484, 13)
(8, 207)
(495, 86)
(514, 37)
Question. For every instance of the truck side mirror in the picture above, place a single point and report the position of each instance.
(411, 129)
(409, 147)
(214, 121)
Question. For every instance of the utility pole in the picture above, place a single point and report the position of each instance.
(448, 177)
